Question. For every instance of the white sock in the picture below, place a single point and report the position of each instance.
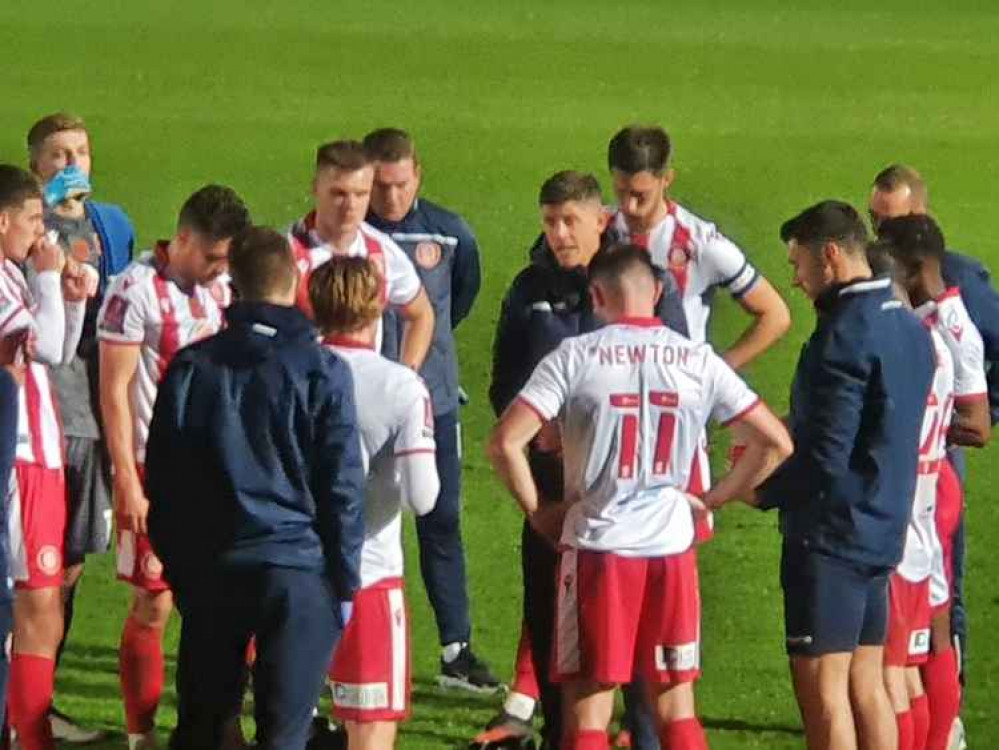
(144, 740)
(451, 651)
(519, 706)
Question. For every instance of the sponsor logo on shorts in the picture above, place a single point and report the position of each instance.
(49, 560)
(919, 642)
(152, 568)
(365, 696)
(680, 658)
(428, 254)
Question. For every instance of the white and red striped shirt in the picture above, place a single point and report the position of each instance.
(54, 338)
(396, 421)
(949, 317)
(633, 400)
(145, 307)
(401, 282)
(698, 256)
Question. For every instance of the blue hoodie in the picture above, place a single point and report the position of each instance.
(254, 456)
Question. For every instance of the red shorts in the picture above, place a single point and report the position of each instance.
(908, 641)
(37, 519)
(618, 617)
(370, 671)
(138, 564)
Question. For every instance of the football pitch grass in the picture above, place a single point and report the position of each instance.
(771, 105)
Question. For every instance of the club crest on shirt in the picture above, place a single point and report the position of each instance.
(114, 314)
(428, 255)
(953, 324)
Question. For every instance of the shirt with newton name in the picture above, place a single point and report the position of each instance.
(401, 284)
(396, 423)
(948, 315)
(699, 257)
(633, 399)
(146, 307)
(37, 313)
(922, 555)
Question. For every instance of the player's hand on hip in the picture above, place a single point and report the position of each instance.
(131, 506)
(701, 508)
(47, 256)
(549, 438)
(547, 521)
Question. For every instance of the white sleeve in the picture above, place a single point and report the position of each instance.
(122, 318)
(401, 279)
(725, 264)
(548, 387)
(414, 450)
(75, 313)
(49, 313)
(969, 359)
(730, 397)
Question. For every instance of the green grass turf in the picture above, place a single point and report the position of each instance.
(772, 106)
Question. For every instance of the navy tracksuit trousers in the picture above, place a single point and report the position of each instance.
(294, 615)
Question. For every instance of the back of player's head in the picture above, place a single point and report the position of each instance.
(390, 145)
(16, 187)
(261, 264)
(639, 149)
(913, 238)
(880, 259)
(49, 125)
(828, 221)
(615, 264)
(896, 176)
(347, 156)
(569, 185)
(214, 212)
(346, 294)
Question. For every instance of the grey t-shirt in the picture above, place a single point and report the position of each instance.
(76, 381)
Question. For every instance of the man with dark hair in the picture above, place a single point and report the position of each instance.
(917, 245)
(845, 495)
(100, 236)
(336, 226)
(443, 249)
(546, 303)
(159, 304)
(631, 425)
(900, 190)
(266, 542)
(42, 301)
(700, 258)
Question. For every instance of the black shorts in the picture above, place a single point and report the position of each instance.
(88, 485)
(831, 605)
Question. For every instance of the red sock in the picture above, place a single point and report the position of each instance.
(943, 691)
(140, 670)
(32, 680)
(586, 739)
(525, 680)
(685, 734)
(920, 710)
(904, 721)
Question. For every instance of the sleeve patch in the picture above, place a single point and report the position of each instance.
(114, 315)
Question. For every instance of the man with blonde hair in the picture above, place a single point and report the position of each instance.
(370, 670)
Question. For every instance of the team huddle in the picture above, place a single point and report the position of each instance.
(309, 379)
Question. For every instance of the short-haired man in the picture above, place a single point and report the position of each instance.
(267, 542)
(445, 254)
(845, 496)
(900, 190)
(159, 304)
(370, 670)
(341, 189)
(633, 400)
(917, 245)
(101, 236)
(548, 302)
(41, 318)
(700, 258)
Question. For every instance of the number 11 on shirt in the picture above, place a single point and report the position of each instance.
(662, 403)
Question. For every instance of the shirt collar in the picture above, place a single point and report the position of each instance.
(343, 341)
(836, 292)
